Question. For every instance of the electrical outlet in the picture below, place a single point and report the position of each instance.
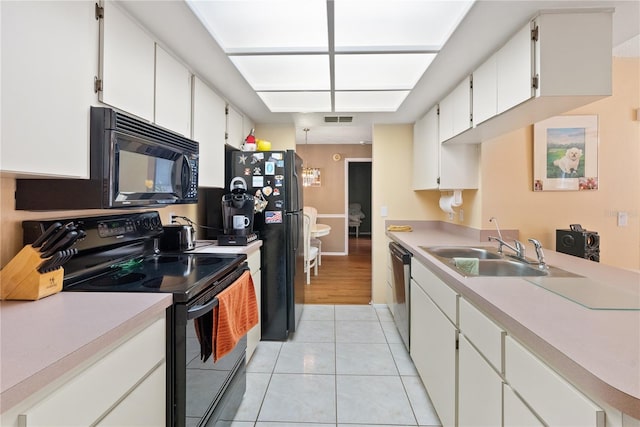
(171, 217)
(384, 211)
(451, 216)
(461, 215)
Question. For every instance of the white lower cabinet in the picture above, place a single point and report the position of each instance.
(433, 350)
(556, 401)
(516, 413)
(255, 333)
(121, 386)
(479, 389)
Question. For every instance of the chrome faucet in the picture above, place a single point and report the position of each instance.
(519, 248)
(539, 253)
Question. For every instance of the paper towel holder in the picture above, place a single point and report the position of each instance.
(448, 202)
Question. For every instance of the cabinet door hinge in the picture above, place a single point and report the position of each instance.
(535, 81)
(99, 12)
(226, 136)
(438, 181)
(535, 32)
(457, 344)
(438, 110)
(471, 82)
(226, 110)
(97, 85)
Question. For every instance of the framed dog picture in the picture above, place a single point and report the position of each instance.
(565, 154)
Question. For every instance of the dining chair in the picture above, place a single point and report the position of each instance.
(310, 252)
(313, 215)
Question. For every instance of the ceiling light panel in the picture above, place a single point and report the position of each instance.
(369, 101)
(303, 102)
(397, 24)
(241, 26)
(284, 72)
(380, 71)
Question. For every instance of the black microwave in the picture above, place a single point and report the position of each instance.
(133, 164)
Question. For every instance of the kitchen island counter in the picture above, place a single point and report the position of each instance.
(596, 350)
(45, 340)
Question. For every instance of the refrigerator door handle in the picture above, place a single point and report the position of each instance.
(296, 228)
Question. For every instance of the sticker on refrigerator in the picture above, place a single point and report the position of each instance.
(242, 159)
(275, 156)
(279, 180)
(257, 157)
(247, 171)
(273, 217)
(257, 181)
(270, 168)
(280, 163)
(257, 170)
(276, 191)
(279, 204)
(267, 191)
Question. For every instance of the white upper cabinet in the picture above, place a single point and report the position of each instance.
(209, 121)
(559, 61)
(172, 94)
(235, 128)
(426, 152)
(49, 63)
(437, 166)
(514, 71)
(128, 64)
(455, 111)
(485, 91)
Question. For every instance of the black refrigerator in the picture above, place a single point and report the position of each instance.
(277, 175)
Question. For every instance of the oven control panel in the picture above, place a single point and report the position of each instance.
(102, 231)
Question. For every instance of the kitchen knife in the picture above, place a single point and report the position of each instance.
(48, 264)
(44, 236)
(56, 237)
(66, 240)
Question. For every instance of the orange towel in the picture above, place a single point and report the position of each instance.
(236, 313)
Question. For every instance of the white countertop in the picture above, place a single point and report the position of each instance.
(42, 340)
(596, 350)
(211, 246)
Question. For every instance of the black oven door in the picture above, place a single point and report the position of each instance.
(201, 392)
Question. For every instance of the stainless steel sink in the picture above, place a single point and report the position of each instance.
(508, 268)
(462, 252)
(493, 264)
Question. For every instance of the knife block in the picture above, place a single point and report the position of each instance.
(20, 280)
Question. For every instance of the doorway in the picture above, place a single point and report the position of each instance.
(357, 199)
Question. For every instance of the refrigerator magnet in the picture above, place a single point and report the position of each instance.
(257, 181)
(276, 191)
(273, 217)
(270, 168)
(267, 191)
(242, 159)
(257, 170)
(279, 180)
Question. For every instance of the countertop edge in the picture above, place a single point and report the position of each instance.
(576, 374)
(22, 390)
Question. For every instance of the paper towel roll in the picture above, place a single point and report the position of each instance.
(446, 203)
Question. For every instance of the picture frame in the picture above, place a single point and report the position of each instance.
(565, 153)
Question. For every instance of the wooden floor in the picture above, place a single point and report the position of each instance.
(343, 279)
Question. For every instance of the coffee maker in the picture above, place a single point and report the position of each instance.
(237, 215)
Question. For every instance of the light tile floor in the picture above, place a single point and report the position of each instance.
(344, 366)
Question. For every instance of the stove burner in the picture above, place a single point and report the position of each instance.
(204, 261)
(153, 283)
(115, 280)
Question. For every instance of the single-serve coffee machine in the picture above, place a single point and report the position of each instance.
(237, 215)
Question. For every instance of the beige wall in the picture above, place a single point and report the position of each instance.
(11, 219)
(391, 176)
(281, 136)
(507, 171)
(329, 198)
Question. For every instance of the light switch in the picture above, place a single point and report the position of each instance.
(623, 218)
(384, 211)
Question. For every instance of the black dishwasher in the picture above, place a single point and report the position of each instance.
(401, 265)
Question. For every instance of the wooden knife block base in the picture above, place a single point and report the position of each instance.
(19, 279)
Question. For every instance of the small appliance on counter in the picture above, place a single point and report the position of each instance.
(237, 215)
(177, 238)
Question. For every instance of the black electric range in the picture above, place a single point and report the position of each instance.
(119, 253)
